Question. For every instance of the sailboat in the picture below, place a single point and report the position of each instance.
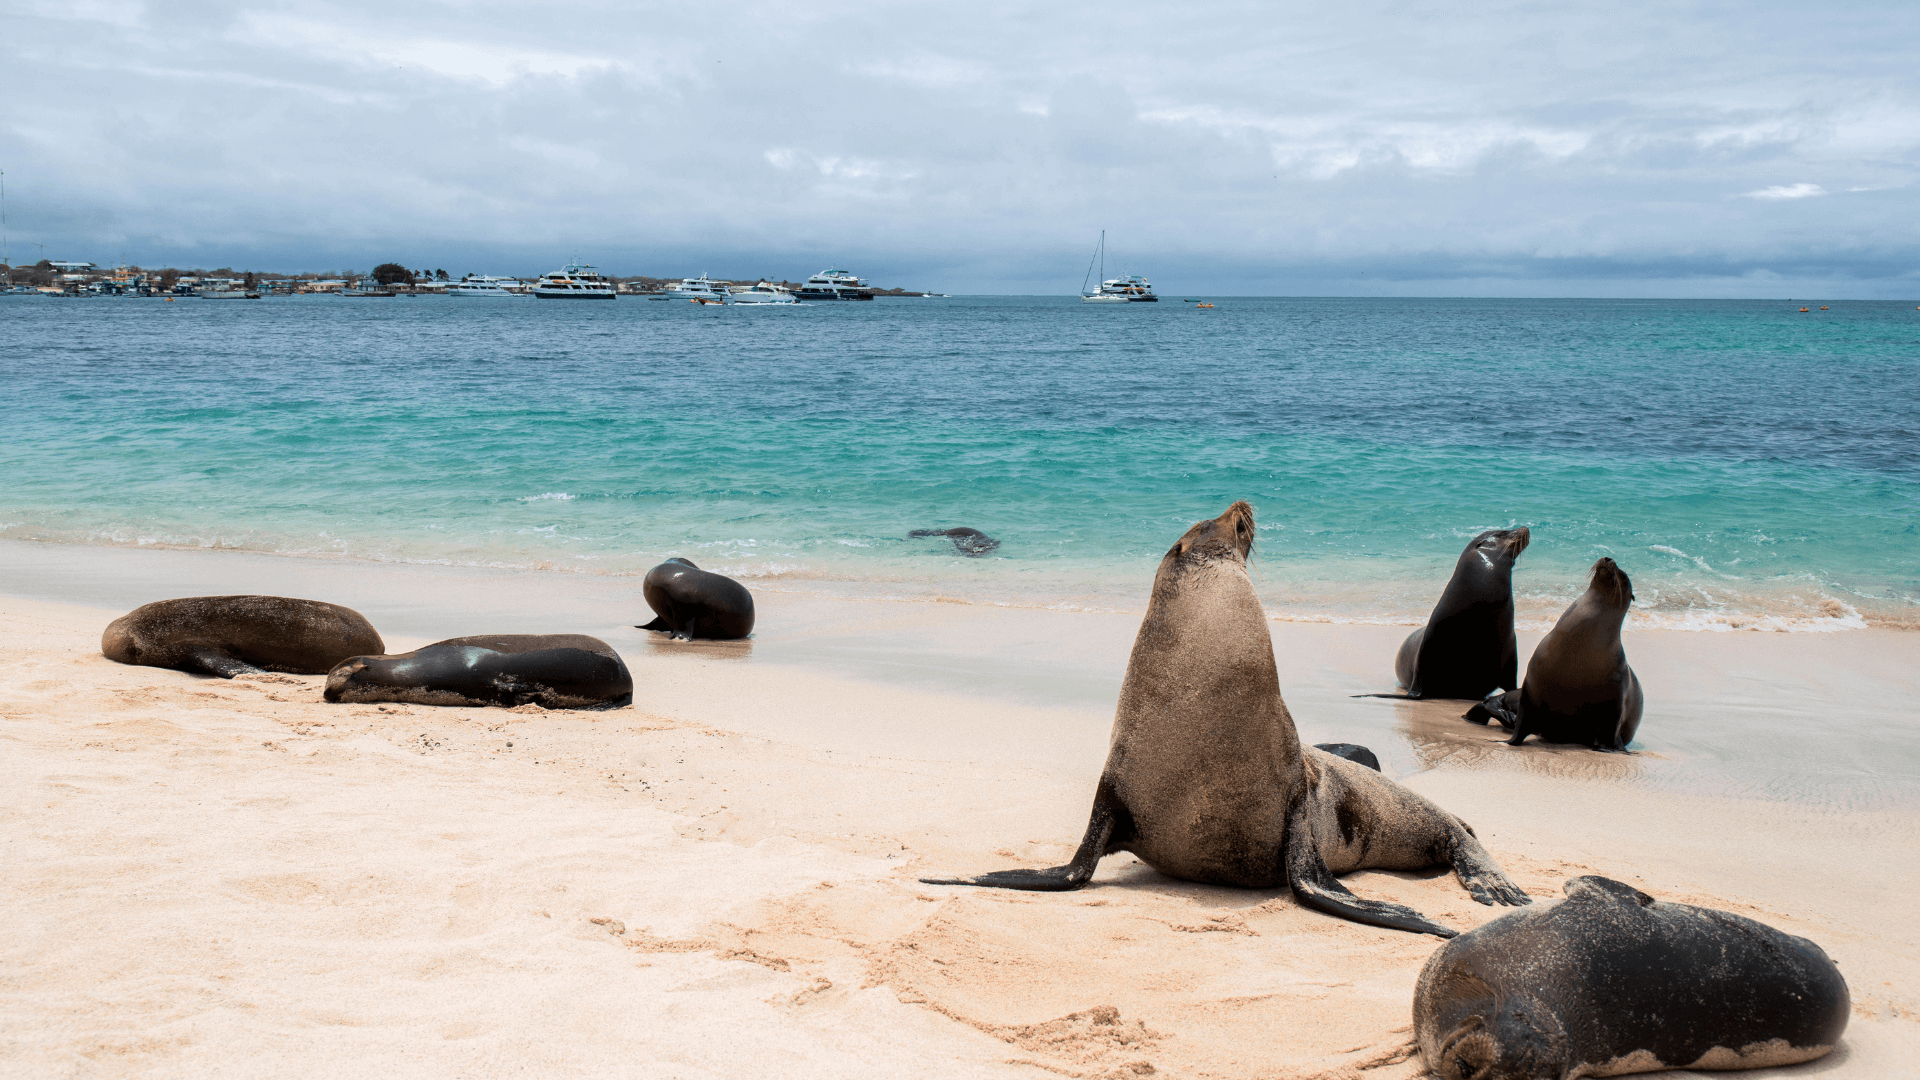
(1103, 296)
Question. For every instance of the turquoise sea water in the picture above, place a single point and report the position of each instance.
(1746, 463)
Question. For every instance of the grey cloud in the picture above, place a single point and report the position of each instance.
(1671, 149)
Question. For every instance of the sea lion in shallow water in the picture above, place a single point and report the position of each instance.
(694, 603)
(239, 635)
(1206, 779)
(967, 541)
(554, 671)
(1466, 649)
(1579, 688)
(1611, 981)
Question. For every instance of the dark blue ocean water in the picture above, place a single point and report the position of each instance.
(1746, 463)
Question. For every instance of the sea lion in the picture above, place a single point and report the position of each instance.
(967, 541)
(554, 671)
(239, 635)
(1611, 981)
(1579, 688)
(692, 602)
(1353, 752)
(1206, 779)
(1466, 649)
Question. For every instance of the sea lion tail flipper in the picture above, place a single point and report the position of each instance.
(659, 623)
(1396, 697)
(219, 662)
(1107, 814)
(1479, 874)
(1314, 886)
(1502, 707)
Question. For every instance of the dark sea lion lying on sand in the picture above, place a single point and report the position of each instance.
(968, 541)
(554, 671)
(1467, 649)
(693, 603)
(239, 635)
(1353, 752)
(1611, 981)
(1207, 781)
(1579, 688)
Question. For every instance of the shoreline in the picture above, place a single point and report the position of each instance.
(722, 880)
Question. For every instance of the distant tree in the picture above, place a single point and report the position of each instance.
(392, 274)
(251, 280)
(441, 274)
(168, 279)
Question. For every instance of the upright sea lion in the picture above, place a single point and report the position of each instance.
(967, 541)
(693, 603)
(239, 635)
(1206, 779)
(554, 671)
(1579, 688)
(1611, 981)
(1466, 649)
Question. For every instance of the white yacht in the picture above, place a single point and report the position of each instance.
(575, 281)
(763, 293)
(835, 285)
(700, 288)
(1127, 290)
(481, 285)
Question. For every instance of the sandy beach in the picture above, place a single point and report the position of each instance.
(213, 878)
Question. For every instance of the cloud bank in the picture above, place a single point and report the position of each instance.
(1690, 150)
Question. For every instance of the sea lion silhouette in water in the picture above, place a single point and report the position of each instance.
(968, 541)
(554, 671)
(239, 635)
(694, 603)
(1467, 649)
(1579, 688)
(1206, 779)
(1611, 981)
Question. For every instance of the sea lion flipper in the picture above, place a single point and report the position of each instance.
(1101, 825)
(1502, 707)
(219, 662)
(659, 623)
(1480, 875)
(1314, 885)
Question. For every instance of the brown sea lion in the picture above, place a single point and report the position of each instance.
(554, 671)
(1206, 779)
(239, 635)
(693, 603)
(1579, 688)
(1611, 981)
(1467, 649)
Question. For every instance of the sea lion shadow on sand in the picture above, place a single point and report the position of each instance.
(1206, 779)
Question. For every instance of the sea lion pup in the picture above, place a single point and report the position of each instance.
(1611, 981)
(1206, 779)
(695, 603)
(239, 635)
(554, 671)
(1466, 649)
(968, 541)
(1579, 688)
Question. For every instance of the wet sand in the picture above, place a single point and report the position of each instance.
(234, 878)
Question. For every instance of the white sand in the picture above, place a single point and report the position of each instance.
(210, 878)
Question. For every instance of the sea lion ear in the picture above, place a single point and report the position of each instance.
(1597, 885)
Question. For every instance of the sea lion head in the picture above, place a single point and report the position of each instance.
(1523, 1040)
(1228, 537)
(1503, 544)
(1611, 584)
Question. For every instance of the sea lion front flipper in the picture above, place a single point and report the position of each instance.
(1108, 814)
(219, 662)
(1479, 874)
(1502, 707)
(659, 623)
(1314, 886)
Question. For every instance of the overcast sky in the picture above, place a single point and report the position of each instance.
(1667, 149)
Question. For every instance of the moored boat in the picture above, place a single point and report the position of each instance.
(764, 292)
(481, 285)
(700, 288)
(835, 285)
(575, 281)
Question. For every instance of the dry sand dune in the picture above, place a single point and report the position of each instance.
(211, 878)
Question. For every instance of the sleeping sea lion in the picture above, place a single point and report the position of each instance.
(1579, 688)
(967, 541)
(1466, 649)
(1206, 779)
(1611, 981)
(239, 635)
(554, 671)
(1353, 752)
(693, 603)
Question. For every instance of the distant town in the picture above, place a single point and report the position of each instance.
(58, 278)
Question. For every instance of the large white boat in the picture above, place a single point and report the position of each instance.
(575, 281)
(763, 293)
(835, 285)
(700, 288)
(480, 285)
(1127, 290)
